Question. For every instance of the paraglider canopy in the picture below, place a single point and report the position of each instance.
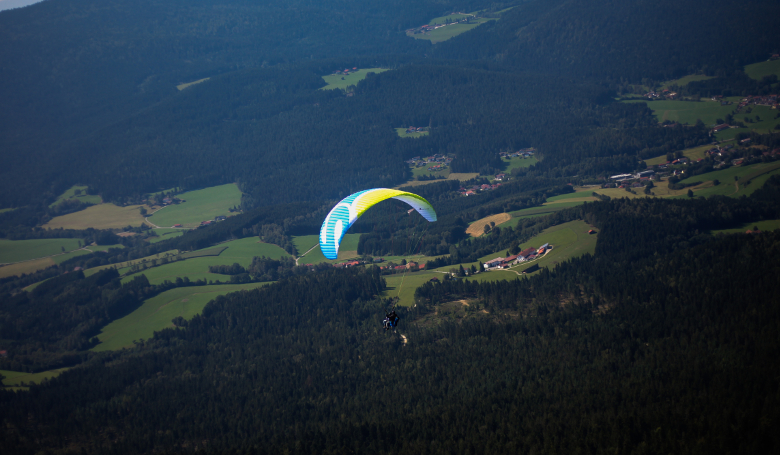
(346, 212)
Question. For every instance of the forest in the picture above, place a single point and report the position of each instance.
(661, 337)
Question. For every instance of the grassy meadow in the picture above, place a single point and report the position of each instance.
(101, 216)
(237, 251)
(748, 179)
(166, 233)
(760, 70)
(157, 312)
(760, 119)
(518, 162)
(418, 171)
(347, 250)
(461, 176)
(14, 379)
(25, 250)
(477, 228)
(70, 193)
(688, 111)
(403, 287)
(25, 267)
(335, 81)
(200, 205)
(683, 81)
(693, 154)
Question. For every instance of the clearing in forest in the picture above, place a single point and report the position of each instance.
(401, 132)
(477, 228)
(25, 250)
(763, 226)
(518, 162)
(343, 81)
(693, 154)
(82, 196)
(14, 379)
(156, 313)
(198, 206)
(195, 265)
(190, 84)
(761, 70)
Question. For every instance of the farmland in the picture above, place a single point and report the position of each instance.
(197, 268)
(14, 379)
(477, 228)
(26, 267)
(749, 179)
(166, 233)
(200, 205)
(341, 81)
(688, 111)
(157, 312)
(685, 80)
(348, 248)
(449, 29)
(461, 176)
(24, 250)
(406, 285)
(101, 216)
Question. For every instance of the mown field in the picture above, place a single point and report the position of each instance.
(347, 250)
(401, 132)
(101, 216)
(477, 228)
(24, 250)
(403, 287)
(157, 312)
(335, 81)
(70, 193)
(461, 176)
(14, 379)
(418, 171)
(200, 205)
(685, 80)
(26, 267)
(237, 251)
(761, 119)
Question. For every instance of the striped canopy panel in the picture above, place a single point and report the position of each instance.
(346, 212)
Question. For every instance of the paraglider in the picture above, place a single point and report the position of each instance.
(391, 320)
(346, 212)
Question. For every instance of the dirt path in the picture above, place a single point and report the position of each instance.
(146, 218)
(307, 252)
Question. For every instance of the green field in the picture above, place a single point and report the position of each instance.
(237, 251)
(189, 84)
(14, 379)
(693, 154)
(406, 285)
(568, 239)
(447, 32)
(765, 123)
(759, 71)
(688, 111)
(200, 205)
(101, 216)
(157, 312)
(347, 250)
(24, 250)
(70, 193)
(166, 233)
(448, 18)
(418, 171)
(750, 178)
(518, 162)
(6, 210)
(532, 212)
(683, 81)
(335, 81)
(577, 196)
(765, 225)
(401, 132)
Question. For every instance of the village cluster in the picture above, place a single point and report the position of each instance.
(522, 153)
(526, 255)
(435, 162)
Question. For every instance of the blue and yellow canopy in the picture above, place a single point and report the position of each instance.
(352, 207)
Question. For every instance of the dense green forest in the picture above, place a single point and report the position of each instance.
(682, 360)
(660, 338)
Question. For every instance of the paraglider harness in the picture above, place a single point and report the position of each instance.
(391, 320)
